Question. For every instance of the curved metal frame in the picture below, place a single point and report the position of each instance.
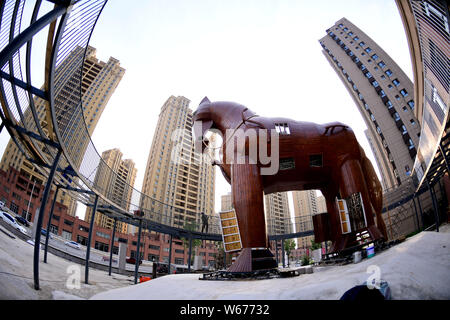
(20, 117)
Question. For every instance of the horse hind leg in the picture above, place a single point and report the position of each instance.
(352, 180)
(375, 193)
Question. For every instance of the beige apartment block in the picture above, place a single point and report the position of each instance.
(99, 81)
(277, 213)
(306, 204)
(226, 202)
(383, 94)
(178, 183)
(115, 179)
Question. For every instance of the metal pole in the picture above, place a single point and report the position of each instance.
(29, 201)
(88, 249)
(190, 253)
(2, 125)
(282, 252)
(112, 246)
(415, 210)
(224, 258)
(170, 254)
(138, 253)
(50, 216)
(421, 212)
(435, 208)
(37, 240)
(276, 251)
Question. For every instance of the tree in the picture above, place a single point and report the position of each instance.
(315, 245)
(191, 226)
(289, 245)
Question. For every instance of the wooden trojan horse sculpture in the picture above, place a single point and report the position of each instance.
(309, 156)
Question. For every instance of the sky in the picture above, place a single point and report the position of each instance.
(263, 54)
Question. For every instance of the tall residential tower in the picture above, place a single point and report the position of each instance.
(278, 217)
(383, 94)
(175, 175)
(306, 204)
(115, 178)
(98, 82)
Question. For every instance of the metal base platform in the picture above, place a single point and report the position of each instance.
(253, 275)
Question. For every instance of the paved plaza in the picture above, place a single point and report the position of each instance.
(415, 269)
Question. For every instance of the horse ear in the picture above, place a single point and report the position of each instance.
(205, 100)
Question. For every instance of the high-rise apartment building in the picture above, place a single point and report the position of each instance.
(427, 27)
(277, 213)
(383, 94)
(98, 82)
(306, 204)
(226, 202)
(115, 178)
(175, 175)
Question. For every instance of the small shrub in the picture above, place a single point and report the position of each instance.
(306, 261)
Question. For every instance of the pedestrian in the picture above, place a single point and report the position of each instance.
(204, 223)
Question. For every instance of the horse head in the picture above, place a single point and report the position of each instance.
(202, 122)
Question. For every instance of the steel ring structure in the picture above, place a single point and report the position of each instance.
(60, 146)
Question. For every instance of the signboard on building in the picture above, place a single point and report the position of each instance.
(230, 231)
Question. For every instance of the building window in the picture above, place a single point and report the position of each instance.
(411, 104)
(67, 235)
(413, 123)
(389, 104)
(437, 16)
(381, 64)
(315, 160)
(362, 44)
(375, 84)
(375, 57)
(407, 170)
(396, 116)
(282, 128)
(389, 72)
(396, 82)
(368, 50)
(404, 92)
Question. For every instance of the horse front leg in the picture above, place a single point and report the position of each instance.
(247, 189)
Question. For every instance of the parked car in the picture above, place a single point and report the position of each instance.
(73, 244)
(133, 261)
(11, 221)
(23, 221)
(44, 233)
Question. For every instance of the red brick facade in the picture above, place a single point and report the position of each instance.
(15, 191)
